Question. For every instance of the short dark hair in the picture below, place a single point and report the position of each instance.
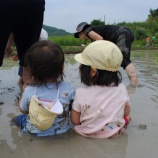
(102, 78)
(45, 60)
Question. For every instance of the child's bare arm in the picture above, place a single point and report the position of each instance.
(127, 110)
(22, 111)
(75, 117)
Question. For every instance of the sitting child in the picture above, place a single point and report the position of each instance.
(100, 109)
(45, 103)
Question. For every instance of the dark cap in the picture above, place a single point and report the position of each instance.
(79, 28)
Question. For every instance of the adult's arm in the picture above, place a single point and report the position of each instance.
(95, 36)
(9, 47)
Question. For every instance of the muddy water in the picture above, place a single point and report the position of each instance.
(140, 140)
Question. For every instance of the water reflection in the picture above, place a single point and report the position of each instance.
(147, 67)
(66, 145)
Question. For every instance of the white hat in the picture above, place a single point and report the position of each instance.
(42, 117)
(43, 35)
(101, 54)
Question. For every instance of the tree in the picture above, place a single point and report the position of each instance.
(140, 34)
(97, 22)
(154, 13)
(153, 16)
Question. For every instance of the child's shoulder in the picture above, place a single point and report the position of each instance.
(91, 88)
(67, 89)
(48, 85)
(65, 84)
(29, 88)
(122, 89)
(85, 89)
(122, 85)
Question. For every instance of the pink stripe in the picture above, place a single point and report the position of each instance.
(45, 100)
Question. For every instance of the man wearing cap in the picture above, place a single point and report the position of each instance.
(120, 35)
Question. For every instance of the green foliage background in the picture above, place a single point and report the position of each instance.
(52, 31)
(139, 29)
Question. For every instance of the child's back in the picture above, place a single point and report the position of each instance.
(100, 107)
(45, 103)
(102, 110)
(48, 93)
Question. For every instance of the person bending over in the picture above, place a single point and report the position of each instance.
(120, 35)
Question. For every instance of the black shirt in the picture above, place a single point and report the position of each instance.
(108, 32)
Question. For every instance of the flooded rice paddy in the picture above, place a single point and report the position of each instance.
(140, 140)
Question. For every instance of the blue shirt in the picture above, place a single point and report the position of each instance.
(49, 92)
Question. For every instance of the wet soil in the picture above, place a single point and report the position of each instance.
(140, 140)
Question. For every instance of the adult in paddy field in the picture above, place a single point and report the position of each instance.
(9, 50)
(119, 35)
(24, 19)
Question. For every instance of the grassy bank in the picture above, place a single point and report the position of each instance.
(79, 49)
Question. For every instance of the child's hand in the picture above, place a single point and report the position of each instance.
(15, 58)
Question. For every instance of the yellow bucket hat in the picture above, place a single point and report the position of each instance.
(101, 54)
(43, 117)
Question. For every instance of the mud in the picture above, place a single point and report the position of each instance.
(140, 140)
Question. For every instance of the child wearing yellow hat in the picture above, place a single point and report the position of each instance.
(101, 108)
